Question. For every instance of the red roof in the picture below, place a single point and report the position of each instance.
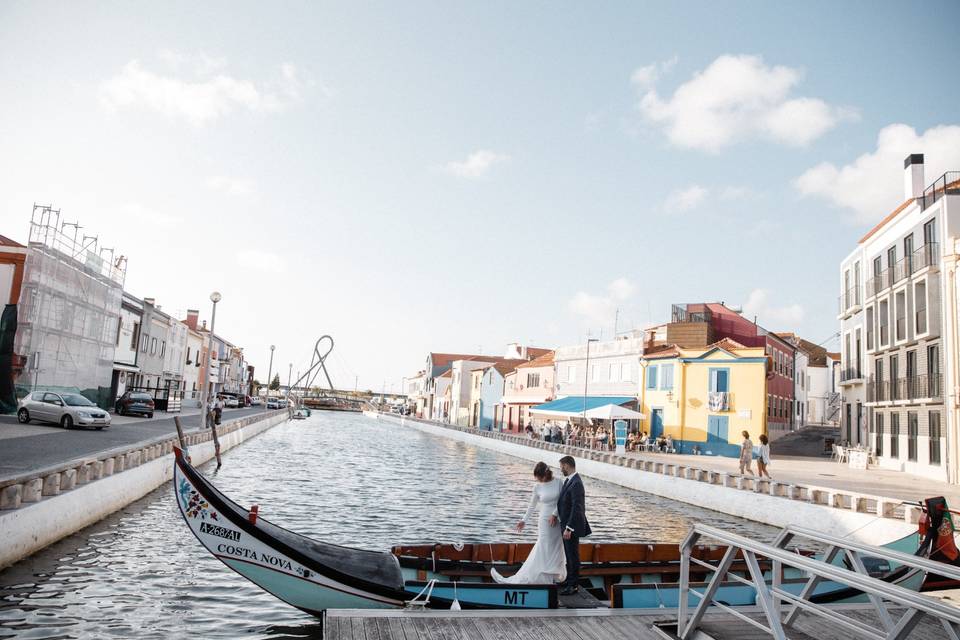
(541, 361)
(443, 359)
(666, 351)
(7, 242)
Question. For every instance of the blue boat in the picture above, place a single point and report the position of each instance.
(313, 576)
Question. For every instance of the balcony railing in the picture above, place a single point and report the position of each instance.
(911, 388)
(681, 313)
(946, 185)
(718, 401)
(850, 373)
(849, 298)
(926, 256)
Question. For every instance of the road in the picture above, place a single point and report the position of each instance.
(24, 448)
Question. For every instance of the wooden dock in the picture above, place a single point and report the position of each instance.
(570, 624)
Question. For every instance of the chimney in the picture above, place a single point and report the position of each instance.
(193, 315)
(913, 176)
(150, 301)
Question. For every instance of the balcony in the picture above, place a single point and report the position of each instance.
(946, 185)
(849, 300)
(913, 388)
(690, 313)
(719, 401)
(926, 256)
(851, 375)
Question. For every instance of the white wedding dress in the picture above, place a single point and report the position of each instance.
(546, 563)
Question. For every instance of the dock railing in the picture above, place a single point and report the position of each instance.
(771, 596)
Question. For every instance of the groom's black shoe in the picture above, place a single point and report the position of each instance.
(569, 591)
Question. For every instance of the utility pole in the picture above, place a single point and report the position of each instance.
(586, 378)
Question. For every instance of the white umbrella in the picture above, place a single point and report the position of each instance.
(614, 412)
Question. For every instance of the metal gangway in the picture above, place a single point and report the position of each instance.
(898, 609)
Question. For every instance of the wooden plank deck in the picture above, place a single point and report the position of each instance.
(579, 624)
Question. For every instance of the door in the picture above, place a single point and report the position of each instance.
(656, 423)
(717, 428)
(50, 407)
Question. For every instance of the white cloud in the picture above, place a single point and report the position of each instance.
(230, 186)
(646, 76)
(261, 261)
(872, 185)
(477, 164)
(735, 193)
(601, 308)
(205, 97)
(737, 98)
(137, 212)
(681, 200)
(774, 318)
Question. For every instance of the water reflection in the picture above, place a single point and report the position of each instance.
(338, 477)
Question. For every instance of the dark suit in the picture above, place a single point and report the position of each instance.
(572, 514)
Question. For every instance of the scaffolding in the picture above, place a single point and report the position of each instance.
(69, 309)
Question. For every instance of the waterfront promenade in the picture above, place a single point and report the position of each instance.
(28, 447)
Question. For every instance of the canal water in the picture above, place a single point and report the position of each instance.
(338, 477)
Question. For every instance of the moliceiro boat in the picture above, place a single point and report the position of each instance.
(313, 575)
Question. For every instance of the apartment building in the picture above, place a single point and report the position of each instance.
(898, 326)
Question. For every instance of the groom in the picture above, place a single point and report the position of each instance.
(573, 521)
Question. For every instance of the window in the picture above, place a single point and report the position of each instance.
(858, 344)
(883, 317)
(878, 375)
(134, 336)
(891, 261)
(908, 253)
(666, 376)
(901, 311)
(769, 406)
(894, 435)
(930, 232)
(188, 356)
(933, 371)
(163, 347)
(856, 282)
(878, 436)
(719, 380)
(153, 346)
(533, 380)
(912, 387)
(613, 372)
(913, 429)
(920, 304)
(571, 373)
(934, 419)
(894, 374)
(594, 373)
(144, 341)
(869, 317)
(652, 377)
(119, 329)
(846, 290)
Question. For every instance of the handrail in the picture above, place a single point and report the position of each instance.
(769, 597)
(910, 560)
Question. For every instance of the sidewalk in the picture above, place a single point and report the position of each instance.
(824, 472)
(25, 447)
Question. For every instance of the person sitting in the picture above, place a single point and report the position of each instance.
(632, 441)
(668, 445)
(661, 443)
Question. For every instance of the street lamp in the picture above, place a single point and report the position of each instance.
(269, 374)
(289, 376)
(215, 297)
(586, 378)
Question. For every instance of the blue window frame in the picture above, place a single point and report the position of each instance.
(666, 376)
(719, 380)
(652, 377)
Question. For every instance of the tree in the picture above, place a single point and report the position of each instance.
(275, 383)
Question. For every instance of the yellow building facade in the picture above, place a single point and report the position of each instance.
(705, 398)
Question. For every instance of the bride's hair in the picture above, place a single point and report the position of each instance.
(542, 472)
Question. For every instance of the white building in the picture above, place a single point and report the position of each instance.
(898, 330)
(125, 361)
(460, 388)
(612, 370)
(191, 367)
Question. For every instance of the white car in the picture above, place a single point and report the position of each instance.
(273, 403)
(66, 409)
(230, 402)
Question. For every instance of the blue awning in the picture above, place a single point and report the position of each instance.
(574, 405)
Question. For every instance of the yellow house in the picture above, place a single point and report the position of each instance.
(705, 397)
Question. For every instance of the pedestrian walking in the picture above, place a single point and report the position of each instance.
(746, 454)
(763, 458)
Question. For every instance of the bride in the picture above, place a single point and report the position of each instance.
(546, 562)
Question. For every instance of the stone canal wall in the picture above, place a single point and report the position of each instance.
(866, 518)
(41, 507)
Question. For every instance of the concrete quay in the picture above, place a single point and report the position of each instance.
(41, 506)
(870, 518)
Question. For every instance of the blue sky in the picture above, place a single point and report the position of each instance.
(452, 177)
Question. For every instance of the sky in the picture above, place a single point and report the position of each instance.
(452, 176)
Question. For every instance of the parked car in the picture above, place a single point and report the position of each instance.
(273, 403)
(255, 401)
(230, 402)
(66, 409)
(135, 403)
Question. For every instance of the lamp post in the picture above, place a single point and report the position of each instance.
(586, 378)
(215, 297)
(289, 380)
(269, 373)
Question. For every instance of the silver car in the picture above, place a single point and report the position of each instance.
(66, 409)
